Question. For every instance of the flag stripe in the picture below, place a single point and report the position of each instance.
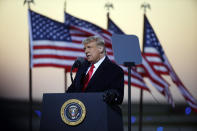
(58, 48)
(160, 68)
(153, 75)
(53, 61)
(156, 57)
(57, 44)
(54, 56)
(58, 52)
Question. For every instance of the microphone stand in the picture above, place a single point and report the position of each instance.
(78, 62)
(71, 74)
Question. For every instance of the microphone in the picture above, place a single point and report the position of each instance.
(78, 62)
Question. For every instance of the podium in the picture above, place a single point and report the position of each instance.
(99, 116)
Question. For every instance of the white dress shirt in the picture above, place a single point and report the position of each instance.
(96, 65)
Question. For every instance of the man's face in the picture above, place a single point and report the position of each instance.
(92, 52)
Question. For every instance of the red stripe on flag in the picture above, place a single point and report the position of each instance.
(54, 56)
(151, 54)
(58, 48)
(139, 86)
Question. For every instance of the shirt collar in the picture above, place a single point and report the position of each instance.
(97, 64)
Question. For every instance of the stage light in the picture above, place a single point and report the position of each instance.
(187, 110)
(38, 113)
(133, 119)
(160, 128)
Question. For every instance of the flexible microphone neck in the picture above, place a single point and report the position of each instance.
(78, 62)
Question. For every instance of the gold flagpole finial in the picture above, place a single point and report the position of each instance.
(145, 6)
(28, 2)
(108, 5)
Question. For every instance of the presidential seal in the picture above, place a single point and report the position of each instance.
(73, 112)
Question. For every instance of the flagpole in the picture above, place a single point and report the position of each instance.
(30, 90)
(30, 76)
(108, 6)
(65, 72)
(144, 5)
(107, 20)
(141, 98)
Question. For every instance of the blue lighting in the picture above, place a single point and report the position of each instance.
(160, 128)
(188, 110)
(133, 119)
(38, 113)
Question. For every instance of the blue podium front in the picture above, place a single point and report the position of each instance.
(79, 112)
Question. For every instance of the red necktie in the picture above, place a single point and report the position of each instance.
(88, 77)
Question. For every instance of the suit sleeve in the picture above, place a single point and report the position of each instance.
(117, 84)
(71, 88)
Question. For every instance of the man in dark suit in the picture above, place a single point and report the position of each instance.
(98, 73)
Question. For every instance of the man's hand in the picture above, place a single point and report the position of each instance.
(110, 96)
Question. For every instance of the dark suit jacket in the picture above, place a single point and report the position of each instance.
(107, 76)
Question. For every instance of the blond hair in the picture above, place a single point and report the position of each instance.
(99, 41)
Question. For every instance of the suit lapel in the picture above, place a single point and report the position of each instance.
(82, 75)
(98, 72)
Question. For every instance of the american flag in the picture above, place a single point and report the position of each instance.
(156, 80)
(113, 28)
(152, 68)
(156, 57)
(84, 27)
(51, 43)
(153, 49)
(81, 29)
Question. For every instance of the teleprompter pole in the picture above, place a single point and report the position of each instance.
(129, 65)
